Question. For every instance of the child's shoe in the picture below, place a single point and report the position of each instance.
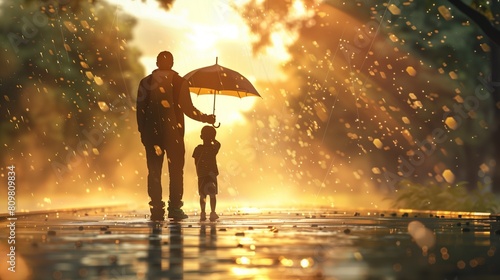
(203, 216)
(213, 216)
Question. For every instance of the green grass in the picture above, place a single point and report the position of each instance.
(435, 196)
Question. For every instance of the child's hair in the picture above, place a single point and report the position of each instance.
(208, 132)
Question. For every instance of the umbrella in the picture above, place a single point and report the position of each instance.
(219, 80)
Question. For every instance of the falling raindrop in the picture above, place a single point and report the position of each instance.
(103, 106)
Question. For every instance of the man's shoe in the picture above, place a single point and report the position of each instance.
(157, 211)
(177, 214)
(213, 216)
(156, 216)
(203, 216)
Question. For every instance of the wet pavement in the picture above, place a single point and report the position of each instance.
(113, 243)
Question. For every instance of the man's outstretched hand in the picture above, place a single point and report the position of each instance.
(208, 119)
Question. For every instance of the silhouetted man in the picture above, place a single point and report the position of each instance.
(162, 100)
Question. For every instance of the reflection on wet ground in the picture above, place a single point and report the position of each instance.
(265, 244)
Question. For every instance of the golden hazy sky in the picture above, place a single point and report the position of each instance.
(198, 31)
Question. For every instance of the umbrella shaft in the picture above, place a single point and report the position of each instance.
(215, 94)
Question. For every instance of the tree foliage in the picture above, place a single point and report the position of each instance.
(435, 196)
(67, 79)
(375, 85)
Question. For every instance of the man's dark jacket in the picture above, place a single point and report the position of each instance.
(162, 100)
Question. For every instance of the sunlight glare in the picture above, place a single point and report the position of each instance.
(196, 39)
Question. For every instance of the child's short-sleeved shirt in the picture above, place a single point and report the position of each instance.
(204, 159)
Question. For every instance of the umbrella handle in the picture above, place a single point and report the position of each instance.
(216, 126)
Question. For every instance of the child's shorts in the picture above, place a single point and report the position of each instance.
(207, 185)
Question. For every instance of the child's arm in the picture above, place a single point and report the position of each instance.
(216, 145)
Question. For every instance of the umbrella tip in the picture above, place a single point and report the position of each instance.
(216, 59)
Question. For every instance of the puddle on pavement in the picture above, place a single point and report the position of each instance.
(274, 244)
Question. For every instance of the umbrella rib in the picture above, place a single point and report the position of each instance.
(221, 83)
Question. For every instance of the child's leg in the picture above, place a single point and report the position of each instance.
(213, 198)
(213, 202)
(203, 195)
(203, 202)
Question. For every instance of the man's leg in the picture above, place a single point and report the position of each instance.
(175, 156)
(155, 164)
(176, 170)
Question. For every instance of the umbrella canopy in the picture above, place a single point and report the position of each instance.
(219, 80)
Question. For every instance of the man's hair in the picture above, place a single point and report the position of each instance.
(208, 132)
(165, 60)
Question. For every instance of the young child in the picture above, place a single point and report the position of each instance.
(206, 169)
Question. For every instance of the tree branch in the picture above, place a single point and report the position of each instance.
(483, 23)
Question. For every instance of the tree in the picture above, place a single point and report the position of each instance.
(384, 91)
(67, 82)
(482, 19)
(483, 16)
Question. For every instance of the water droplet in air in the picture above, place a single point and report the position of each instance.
(103, 106)
(158, 150)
